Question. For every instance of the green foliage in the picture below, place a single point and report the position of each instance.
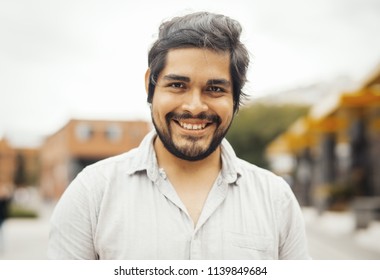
(18, 211)
(257, 125)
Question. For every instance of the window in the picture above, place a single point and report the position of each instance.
(113, 132)
(84, 131)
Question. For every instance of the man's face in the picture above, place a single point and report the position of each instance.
(192, 106)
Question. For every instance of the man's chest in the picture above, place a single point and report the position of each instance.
(153, 226)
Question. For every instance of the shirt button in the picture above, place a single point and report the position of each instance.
(162, 173)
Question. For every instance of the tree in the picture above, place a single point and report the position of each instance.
(256, 126)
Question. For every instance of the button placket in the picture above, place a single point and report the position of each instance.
(195, 247)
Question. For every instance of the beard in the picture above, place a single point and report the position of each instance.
(191, 151)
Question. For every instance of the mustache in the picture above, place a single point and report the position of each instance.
(201, 116)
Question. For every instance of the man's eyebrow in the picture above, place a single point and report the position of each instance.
(222, 82)
(174, 77)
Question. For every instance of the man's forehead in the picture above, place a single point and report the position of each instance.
(185, 62)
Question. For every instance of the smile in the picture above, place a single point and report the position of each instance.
(190, 126)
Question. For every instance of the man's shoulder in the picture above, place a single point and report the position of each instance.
(99, 176)
(248, 173)
(112, 164)
(130, 160)
(255, 177)
(252, 169)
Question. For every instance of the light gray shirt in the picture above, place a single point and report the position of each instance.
(125, 207)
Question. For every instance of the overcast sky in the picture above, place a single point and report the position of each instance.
(61, 59)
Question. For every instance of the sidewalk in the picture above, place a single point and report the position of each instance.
(26, 239)
(332, 235)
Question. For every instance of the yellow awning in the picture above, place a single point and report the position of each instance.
(361, 98)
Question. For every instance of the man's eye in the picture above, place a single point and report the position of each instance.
(177, 85)
(215, 89)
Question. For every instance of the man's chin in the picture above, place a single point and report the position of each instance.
(189, 147)
(192, 153)
(192, 158)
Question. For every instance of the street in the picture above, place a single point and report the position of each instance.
(332, 236)
(343, 247)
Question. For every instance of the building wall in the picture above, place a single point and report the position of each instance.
(28, 163)
(19, 167)
(7, 168)
(54, 156)
(83, 142)
(94, 139)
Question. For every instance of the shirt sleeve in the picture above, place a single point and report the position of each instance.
(73, 223)
(293, 242)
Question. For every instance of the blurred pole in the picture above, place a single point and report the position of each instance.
(359, 169)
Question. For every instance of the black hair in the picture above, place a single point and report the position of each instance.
(201, 30)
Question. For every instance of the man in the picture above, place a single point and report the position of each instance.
(5, 198)
(183, 194)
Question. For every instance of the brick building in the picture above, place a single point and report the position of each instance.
(7, 167)
(83, 142)
(19, 167)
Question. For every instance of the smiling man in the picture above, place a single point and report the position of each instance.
(183, 193)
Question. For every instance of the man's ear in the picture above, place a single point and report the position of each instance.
(147, 76)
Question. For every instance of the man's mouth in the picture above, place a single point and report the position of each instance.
(191, 126)
(193, 123)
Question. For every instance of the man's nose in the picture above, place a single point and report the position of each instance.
(194, 102)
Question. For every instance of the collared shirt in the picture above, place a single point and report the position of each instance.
(125, 207)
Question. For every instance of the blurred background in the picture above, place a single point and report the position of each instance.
(72, 93)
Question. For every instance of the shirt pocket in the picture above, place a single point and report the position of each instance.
(248, 246)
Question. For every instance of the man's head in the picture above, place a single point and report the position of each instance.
(201, 30)
(197, 69)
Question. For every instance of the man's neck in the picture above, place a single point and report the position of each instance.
(192, 180)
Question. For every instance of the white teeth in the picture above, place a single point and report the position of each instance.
(192, 126)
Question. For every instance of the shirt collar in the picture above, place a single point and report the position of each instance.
(145, 159)
(230, 167)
